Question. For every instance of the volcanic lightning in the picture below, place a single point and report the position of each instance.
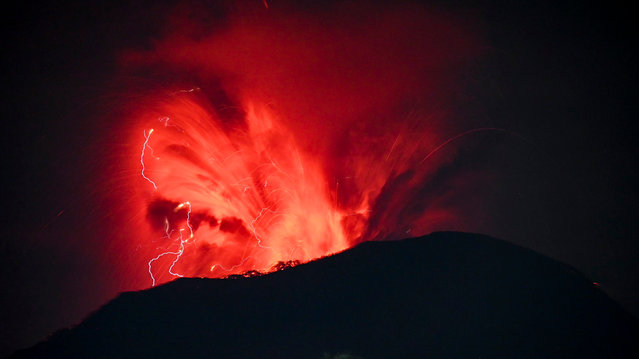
(146, 144)
(237, 189)
(278, 144)
(181, 240)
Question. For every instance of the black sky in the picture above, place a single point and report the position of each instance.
(561, 75)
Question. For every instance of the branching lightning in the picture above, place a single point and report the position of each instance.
(259, 241)
(182, 241)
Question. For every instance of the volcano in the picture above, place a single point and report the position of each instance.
(444, 295)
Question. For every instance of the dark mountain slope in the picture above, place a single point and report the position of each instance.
(445, 295)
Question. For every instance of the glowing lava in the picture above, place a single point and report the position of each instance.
(253, 199)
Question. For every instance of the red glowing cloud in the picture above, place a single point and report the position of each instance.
(278, 136)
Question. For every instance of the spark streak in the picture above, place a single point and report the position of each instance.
(460, 135)
(229, 269)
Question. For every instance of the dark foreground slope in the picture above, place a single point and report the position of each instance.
(446, 295)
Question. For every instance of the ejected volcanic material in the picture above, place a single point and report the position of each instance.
(276, 137)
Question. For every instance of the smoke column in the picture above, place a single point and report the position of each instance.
(254, 135)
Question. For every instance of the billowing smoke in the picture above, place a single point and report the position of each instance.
(255, 136)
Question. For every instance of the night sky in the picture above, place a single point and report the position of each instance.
(559, 77)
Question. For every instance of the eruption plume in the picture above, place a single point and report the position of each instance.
(273, 136)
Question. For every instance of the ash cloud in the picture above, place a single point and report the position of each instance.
(365, 87)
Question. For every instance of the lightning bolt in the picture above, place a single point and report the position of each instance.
(259, 241)
(146, 144)
(182, 240)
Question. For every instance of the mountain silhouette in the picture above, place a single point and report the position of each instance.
(444, 295)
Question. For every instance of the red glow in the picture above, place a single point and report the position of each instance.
(292, 141)
(255, 199)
